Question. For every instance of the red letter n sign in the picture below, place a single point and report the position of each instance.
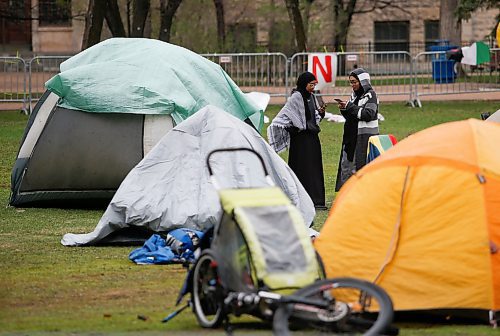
(324, 67)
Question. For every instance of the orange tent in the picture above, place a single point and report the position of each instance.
(423, 219)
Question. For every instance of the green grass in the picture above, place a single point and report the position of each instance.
(46, 288)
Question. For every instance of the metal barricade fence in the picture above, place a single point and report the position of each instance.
(13, 80)
(261, 72)
(390, 72)
(41, 69)
(393, 74)
(434, 74)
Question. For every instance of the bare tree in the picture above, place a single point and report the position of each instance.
(99, 10)
(466, 7)
(343, 11)
(450, 27)
(221, 24)
(128, 11)
(93, 23)
(306, 13)
(342, 17)
(167, 12)
(140, 10)
(113, 19)
(293, 9)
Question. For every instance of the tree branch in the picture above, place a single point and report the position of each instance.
(381, 4)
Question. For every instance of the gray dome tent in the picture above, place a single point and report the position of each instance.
(170, 188)
(495, 117)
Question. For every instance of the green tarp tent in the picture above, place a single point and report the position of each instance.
(145, 76)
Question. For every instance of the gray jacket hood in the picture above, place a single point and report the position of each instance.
(364, 78)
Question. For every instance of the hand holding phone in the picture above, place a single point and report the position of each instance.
(341, 103)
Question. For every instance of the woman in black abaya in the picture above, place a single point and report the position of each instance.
(305, 157)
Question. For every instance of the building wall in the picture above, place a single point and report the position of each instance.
(362, 29)
(479, 25)
(59, 39)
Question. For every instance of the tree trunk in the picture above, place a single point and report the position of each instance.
(342, 17)
(298, 27)
(167, 13)
(221, 25)
(114, 19)
(450, 28)
(307, 11)
(140, 10)
(147, 26)
(129, 28)
(93, 23)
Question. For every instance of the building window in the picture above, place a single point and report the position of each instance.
(392, 36)
(15, 26)
(242, 37)
(54, 12)
(431, 32)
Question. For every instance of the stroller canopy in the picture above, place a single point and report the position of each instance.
(281, 251)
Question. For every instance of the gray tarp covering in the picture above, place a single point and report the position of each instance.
(170, 188)
(495, 117)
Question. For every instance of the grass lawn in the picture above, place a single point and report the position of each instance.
(46, 288)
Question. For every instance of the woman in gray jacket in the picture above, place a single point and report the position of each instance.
(361, 114)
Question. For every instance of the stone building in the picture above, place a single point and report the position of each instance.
(415, 28)
(251, 26)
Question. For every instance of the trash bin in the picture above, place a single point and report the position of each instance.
(443, 70)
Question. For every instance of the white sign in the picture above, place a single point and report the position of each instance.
(225, 59)
(324, 67)
(352, 58)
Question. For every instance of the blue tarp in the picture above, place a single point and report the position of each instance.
(177, 247)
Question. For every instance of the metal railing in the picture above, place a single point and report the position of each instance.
(13, 80)
(394, 74)
(41, 69)
(262, 72)
(435, 75)
(390, 72)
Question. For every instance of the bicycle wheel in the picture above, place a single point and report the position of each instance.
(355, 306)
(206, 292)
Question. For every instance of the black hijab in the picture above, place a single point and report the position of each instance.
(302, 82)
